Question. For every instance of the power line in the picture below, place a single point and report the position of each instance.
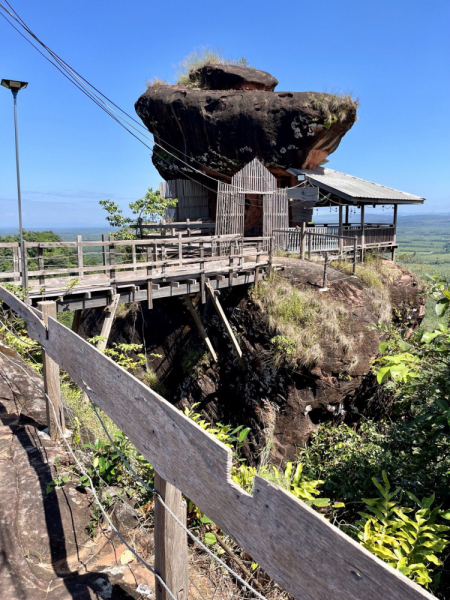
(96, 96)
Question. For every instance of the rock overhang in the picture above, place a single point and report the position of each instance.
(220, 131)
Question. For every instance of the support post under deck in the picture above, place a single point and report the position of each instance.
(226, 324)
(199, 324)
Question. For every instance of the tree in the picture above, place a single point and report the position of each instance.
(152, 205)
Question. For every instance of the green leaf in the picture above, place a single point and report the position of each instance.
(206, 519)
(383, 347)
(429, 337)
(383, 374)
(321, 502)
(442, 306)
(210, 539)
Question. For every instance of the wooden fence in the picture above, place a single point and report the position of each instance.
(296, 546)
(173, 228)
(328, 239)
(124, 259)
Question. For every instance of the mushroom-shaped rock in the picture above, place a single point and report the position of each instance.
(220, 131)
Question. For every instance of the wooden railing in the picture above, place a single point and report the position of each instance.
(326, 238)
(186, 228)
(295, 545)
(116, 259)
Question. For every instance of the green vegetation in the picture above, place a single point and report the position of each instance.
(301, 320)
(412, 449)
(408, 543)
(152, 205)
(424, 243)
(333, 108)
(54, 258)
(197, 59)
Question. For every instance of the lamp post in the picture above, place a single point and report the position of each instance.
(15, 87)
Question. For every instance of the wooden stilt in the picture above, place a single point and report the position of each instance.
(171, 549)
(51, 380)
(199, 324)
(149, 295)
(76, 320)
(107, 323)
(226, 324)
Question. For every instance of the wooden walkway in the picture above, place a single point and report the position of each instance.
(86, 274)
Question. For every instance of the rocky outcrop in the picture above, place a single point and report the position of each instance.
(292, 401)
(219, 131)
(233, 77)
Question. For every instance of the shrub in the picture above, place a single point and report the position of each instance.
(197, 59)
(408, 539)
(302, 322)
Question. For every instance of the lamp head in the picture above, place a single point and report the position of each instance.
(14, 86)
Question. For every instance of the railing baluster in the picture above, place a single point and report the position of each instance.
(112, 259)
(41, 265)
(104, 254)
(80, 256)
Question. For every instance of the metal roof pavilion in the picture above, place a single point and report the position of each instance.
(354, 190)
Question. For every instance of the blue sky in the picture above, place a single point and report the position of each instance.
(393, 55)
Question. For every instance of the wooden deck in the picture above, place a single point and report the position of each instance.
(85, 274)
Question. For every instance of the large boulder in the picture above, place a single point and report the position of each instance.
(219, 131)
(232, 77)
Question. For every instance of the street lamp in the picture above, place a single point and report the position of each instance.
(15, 87)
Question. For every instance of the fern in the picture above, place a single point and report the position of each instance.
(406, 538)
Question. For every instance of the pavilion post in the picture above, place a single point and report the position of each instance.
(341, 229)
(302, 239)
(394, 237)
(363, 235)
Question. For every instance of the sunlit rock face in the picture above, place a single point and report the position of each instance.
(218, 131)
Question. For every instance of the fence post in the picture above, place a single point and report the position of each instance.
(104, 254)
(325, 268)
(303, 240)
(112, 272)
(171, 549)
(16, 263)
(41, 265)
(51, 380)
(355, 243)
(25, 268)
(310, 246)
(80, 256)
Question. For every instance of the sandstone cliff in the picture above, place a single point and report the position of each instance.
(328, 379)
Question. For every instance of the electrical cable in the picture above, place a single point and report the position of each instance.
(83, 85)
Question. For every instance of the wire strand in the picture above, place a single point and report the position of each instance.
(91, 484)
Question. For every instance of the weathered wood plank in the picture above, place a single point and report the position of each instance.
(171, 549)
(35, 327)
(226, 323)
(52, 382)
(199, 324)
(288, 539)
(108, 322)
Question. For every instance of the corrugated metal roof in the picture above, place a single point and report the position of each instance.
(355, 189)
